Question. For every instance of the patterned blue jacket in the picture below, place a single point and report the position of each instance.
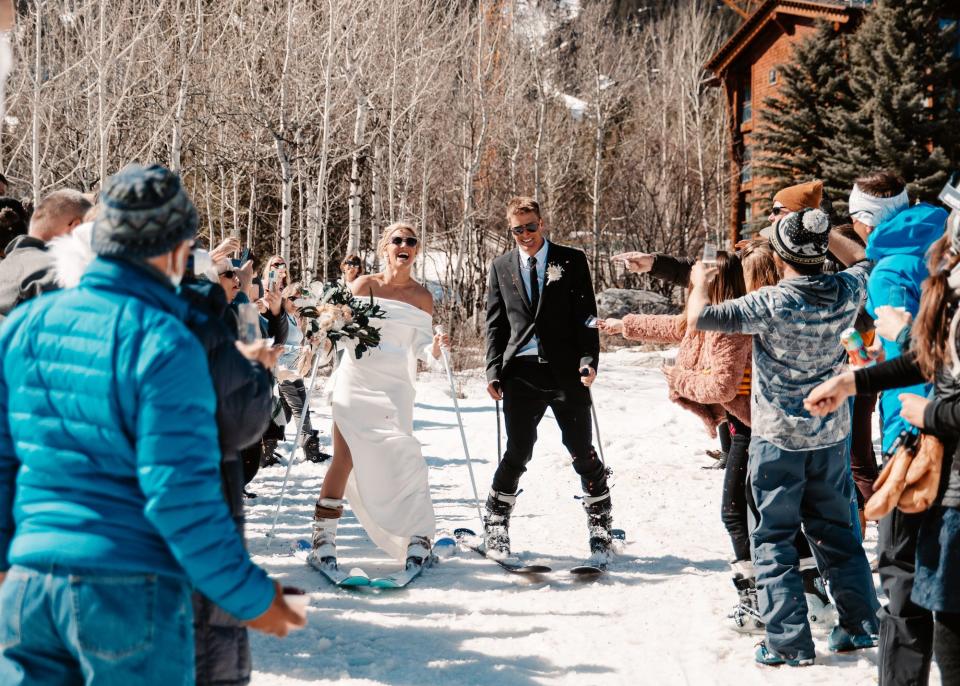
(796, 346)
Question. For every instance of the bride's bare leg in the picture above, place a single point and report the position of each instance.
(335, 481)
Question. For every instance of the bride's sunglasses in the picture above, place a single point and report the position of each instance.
(404, 241)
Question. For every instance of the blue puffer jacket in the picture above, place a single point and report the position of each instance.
(899, 248)
(108, 444)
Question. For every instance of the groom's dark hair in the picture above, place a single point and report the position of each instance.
(522, 204)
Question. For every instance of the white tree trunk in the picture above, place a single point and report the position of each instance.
(356, 169)
(375, 210)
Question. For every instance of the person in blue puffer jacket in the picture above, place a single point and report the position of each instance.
(898, 238)
(111, 507)
(898, 248)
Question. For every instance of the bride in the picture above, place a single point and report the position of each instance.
(377, 461)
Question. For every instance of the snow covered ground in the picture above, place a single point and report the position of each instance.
(658, 617)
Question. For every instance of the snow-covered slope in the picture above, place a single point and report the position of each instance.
(657, 618)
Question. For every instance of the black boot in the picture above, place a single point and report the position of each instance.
(311, 449)
(820, 609)
(600, 522)
(268, 452)
(496, 523)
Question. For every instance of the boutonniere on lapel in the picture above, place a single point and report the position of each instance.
(554, 273)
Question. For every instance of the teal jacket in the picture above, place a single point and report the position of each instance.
(109, 457)
(899, 247)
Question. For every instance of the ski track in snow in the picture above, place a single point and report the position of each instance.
(657, 617)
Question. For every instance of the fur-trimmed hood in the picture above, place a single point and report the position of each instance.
(72, 255)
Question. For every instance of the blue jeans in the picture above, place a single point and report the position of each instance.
(808, 487)
(95, 628)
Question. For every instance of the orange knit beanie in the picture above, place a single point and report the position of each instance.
(796, 198)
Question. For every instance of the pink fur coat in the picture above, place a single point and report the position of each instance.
(710, 366)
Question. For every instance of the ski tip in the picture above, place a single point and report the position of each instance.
(444, 547)
(533, 569)
(587, 571)
(619, 534)
(461, 532)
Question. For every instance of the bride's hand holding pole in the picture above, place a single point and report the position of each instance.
(440, 341)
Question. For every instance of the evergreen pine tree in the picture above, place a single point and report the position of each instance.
(791, 140)
(902, 113)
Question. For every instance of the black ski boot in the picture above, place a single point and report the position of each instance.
(496, 523)
(600, 521)
(311, 449)
(746, 615)
(268, 452)
(820, 610)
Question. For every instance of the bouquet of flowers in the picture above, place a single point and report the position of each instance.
(333, 313)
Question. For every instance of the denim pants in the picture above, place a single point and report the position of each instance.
(97, 628)
(808, 487)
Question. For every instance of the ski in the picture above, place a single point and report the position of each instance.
(329, 568)
(510, 564)
(594, 566)
(588, 569)
(405, 576)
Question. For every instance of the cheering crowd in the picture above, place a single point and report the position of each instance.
(135, 411)
(802, 442)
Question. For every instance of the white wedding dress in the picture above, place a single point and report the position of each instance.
(372, 402)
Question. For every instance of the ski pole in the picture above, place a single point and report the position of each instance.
(593, 411)
(463, 434)
(297, 443)
(499, 446)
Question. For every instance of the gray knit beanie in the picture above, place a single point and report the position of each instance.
(801, 237)
(144, 213)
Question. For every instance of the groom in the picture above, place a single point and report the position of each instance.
(540, 354)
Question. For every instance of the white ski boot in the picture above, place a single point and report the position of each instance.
(326, 517)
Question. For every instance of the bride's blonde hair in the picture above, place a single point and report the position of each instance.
(388, 234)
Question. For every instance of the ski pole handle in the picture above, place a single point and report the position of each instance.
(438, 330)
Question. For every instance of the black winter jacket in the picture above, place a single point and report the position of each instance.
(244, 403)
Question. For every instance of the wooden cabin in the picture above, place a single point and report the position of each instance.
(747, 68)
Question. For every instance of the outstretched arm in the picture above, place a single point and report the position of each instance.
(847, 251)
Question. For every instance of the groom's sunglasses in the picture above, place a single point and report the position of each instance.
(532, 227)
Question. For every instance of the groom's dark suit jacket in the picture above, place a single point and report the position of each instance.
(566, 301)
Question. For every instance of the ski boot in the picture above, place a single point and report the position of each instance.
(418, 551)
(746, 615)
(326, 517)
(767, 657)
(268, 452)
(820, 609)
(600, 521)
(496, 523)
(311, 449)
(842, 641)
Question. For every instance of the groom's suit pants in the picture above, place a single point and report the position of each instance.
(529, 389)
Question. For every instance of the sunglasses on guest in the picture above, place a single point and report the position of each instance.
(779, 209)
(352, 263)
(229, 274)
(405, 241)
(532, 227)
(277, 265)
